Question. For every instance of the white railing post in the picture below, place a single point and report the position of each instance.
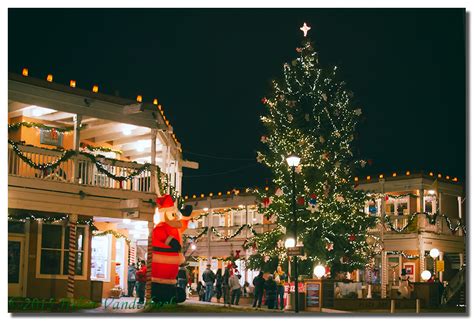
(77, 140)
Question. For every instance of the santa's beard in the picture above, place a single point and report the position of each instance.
(176, 224)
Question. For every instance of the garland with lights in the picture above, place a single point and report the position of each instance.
(196, 237)
(29, 124)
(116, 234)
(67, 154)
(24, 216)
(432, 218)
(239, 230)
(406, 256)
(100, 149)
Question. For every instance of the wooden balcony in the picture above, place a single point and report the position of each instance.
(422, 223)
(87, 171)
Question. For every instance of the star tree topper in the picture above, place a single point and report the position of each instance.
(305, 29)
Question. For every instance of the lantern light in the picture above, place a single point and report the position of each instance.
(202, 195)
(293, 160)
(186, 197)
(394, 174)
(194, 195)
(49, 78)
(434, 253)
(455, 179)
(319, 271)
(356, 179)
(368, 178)
(266, 188)
(426, 275)
(447, 177)
(219, 194)
(228, 192)
(431, 174)
(155, 101)
(95, 88)
(381, 176)
(72, 83)
(211, 194)
(139, 98)
(439, 175)
(24, 72)
(290, 242)
(407, 173)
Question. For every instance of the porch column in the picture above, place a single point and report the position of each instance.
(149, 255)
(209, 233)
(384, 275)
(461, 260)
(72, 222)
(421, 203)
(77, 141)
(154, 180)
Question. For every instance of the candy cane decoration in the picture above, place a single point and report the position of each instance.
(72, 255)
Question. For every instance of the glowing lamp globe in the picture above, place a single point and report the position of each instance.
(192, 225)
(434, 253)
(319, 271)
(193, 247)
(293, 160)
(290, 242)
(426, 275)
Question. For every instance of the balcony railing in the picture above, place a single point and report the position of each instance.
(87, 171)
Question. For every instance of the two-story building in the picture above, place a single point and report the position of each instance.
(416, 212)
(83, 171)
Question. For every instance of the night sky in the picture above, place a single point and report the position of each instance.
(210, 68)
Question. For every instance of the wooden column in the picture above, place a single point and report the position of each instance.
(149, 254)
(384, 275)
(154, 180)
(72, 255)
(77, 141)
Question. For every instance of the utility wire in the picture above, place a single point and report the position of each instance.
(219, 157)
(220, 173)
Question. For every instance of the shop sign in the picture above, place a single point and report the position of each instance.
(440, 266)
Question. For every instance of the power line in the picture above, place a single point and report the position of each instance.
(221, 173)
(219, 157)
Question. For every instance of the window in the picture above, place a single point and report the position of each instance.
(255, 217)
(54, 255)
(238, 218)
(372, 207)
(100, 258)
(397, 206)
(430, 204)
(16, 227)
(217, 219)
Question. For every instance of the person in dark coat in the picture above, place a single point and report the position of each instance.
(270, 292)
(182, 276)
(258, 283)
(209, 278)
(225, 286)
(219, 285)
(131, 279)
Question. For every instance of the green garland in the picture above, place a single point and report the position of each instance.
(29, 124)
(116, 234)
(431, 219)
(67, 154)
(100, 149)
(64, 157)
(24, 216)
(406, 256)
(100, 168)
(224, 237)
(197, 237)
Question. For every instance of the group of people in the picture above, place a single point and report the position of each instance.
(228, 286)
(273, 287)
(137, 280)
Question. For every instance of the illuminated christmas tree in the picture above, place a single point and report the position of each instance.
(310, 113)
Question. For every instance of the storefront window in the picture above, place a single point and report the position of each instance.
(397, 206)
(100, 258)
(55, 249)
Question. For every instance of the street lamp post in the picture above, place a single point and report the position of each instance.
(294, 161)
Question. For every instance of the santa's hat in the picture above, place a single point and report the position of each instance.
(166, 204)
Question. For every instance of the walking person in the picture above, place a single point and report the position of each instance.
(225, 286)
(200, 291)
(280, 279)
(270, 292)
(219, 285)
(141, 282)
(183, 276)
(131, 279)
(209, 278)
(258, 283)
(235, 288)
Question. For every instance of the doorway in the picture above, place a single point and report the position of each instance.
(16, 250)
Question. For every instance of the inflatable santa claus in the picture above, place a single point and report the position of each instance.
(167, 250)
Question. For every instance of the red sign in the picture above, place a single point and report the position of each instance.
(290, 287)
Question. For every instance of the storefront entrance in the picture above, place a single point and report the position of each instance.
(16, 250)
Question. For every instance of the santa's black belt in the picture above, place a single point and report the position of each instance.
(162, 249)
